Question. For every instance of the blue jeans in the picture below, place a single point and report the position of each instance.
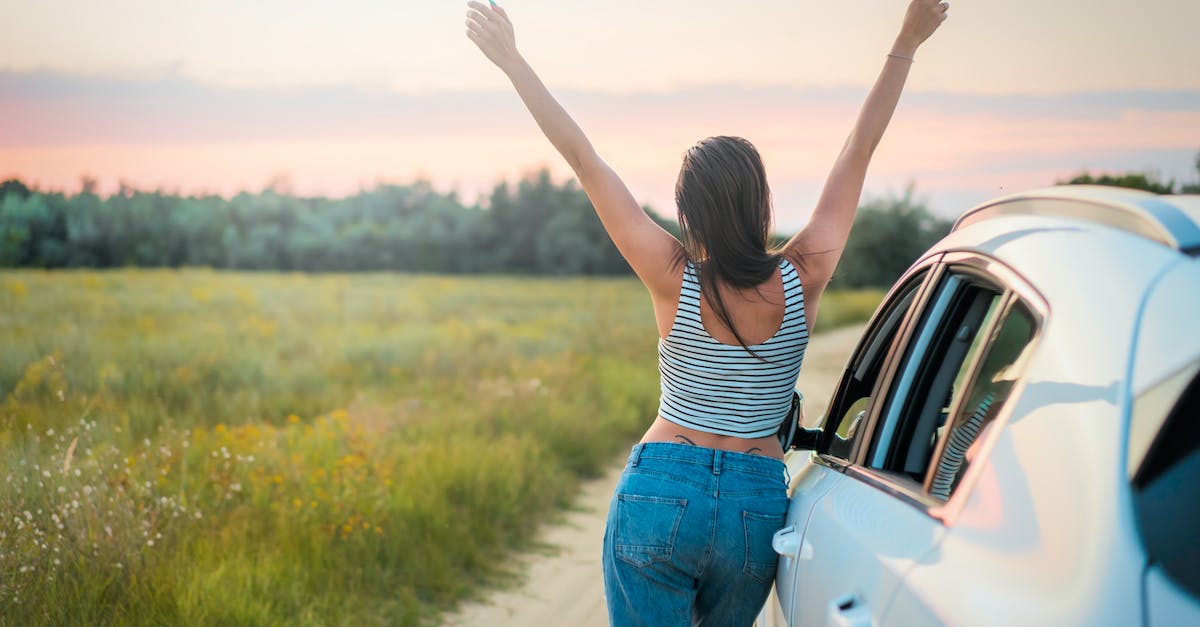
(688, 540)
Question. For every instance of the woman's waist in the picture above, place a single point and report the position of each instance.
(665, 431)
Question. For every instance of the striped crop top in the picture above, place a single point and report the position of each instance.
(723, 389)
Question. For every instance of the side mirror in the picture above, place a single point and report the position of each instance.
(794, 436)
(806, 439)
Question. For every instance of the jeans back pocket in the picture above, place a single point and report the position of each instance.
(761, 558)
(646, 527)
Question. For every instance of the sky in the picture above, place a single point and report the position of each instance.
(220, 96)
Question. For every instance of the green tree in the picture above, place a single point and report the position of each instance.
(535, 226)
(889, 234)
(14, 186)
(1193, 188)
(1131, 180)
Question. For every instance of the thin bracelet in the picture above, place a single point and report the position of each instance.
(900, 56)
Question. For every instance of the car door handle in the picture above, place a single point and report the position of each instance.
(849, 611)
(788, 543)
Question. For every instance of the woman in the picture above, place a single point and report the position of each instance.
(689, 531)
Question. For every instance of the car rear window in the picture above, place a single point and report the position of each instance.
(1167, 492)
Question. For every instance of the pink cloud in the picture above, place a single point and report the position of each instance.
(190, 138)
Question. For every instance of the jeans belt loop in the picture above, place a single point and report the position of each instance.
(637, 455)
(718, 455)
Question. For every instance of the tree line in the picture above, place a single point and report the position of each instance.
(535, 227)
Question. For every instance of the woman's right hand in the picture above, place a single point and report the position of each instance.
(922, 18)
(491, 30)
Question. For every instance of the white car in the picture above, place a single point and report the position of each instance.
(1016, 439)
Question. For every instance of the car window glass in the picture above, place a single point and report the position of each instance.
(982, 400)
(931, 379)
(1167, 493)
(850, 407)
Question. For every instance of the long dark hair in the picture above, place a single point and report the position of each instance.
(724, 207)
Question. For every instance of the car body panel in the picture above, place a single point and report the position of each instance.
(1165, 360)
(810, 482)
(1172, 304)
(861, 549)
(1167, 605)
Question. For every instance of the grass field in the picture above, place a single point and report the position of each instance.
(193, 447)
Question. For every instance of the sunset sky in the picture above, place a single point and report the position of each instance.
(224, 95)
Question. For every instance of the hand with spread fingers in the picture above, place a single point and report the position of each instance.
(489, 27)
(920, 21)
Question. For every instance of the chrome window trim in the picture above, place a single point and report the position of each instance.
(900, 486)
(931, 266)
(882, 438)
(1010, 301)
(887, 370)
(981, 268)
(1016, 290)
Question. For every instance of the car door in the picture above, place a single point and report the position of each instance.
(868, 530)
(858, 384)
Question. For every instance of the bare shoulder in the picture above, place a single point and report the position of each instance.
(664, 296)
(810, 269)
(664, 281)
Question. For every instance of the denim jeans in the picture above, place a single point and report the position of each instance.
(688, 540)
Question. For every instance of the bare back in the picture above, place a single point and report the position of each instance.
(757, 311)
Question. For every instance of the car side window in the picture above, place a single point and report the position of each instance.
(853, 401)
(933, 377)
(982, 400)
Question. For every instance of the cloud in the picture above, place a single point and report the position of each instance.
(170, 131)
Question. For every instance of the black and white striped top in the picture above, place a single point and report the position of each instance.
(962, 436)
(718, 388)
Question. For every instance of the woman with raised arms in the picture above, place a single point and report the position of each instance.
(688, 540)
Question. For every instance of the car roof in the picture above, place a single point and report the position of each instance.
(1091, 252)
(1173, 221)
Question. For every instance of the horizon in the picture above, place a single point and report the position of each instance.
(226, 98)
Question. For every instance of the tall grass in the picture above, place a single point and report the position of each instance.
(190, 447)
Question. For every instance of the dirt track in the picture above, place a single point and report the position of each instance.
(566, 587)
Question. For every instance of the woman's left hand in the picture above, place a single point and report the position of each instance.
(491, 30)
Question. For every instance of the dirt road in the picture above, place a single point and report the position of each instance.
(566, 588)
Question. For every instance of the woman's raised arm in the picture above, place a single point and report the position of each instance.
(822, 241)
(650, 250)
